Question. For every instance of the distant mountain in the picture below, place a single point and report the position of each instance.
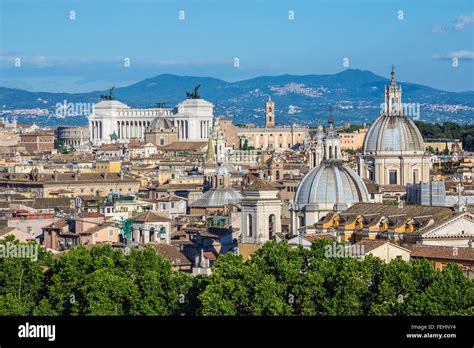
(355, 96)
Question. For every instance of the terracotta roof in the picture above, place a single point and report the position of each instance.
(171, 253)
(50, 203)
(58, 224)
(97, 228)
(65, 178)
(171, 198)
(393, 188)
(90, 214)
(184, 146)
(111, 147)
(369, 245)
(210, 255)
(150, 216)
(312, 237)
(6, 230)
(179, 187)
(373, 211)
(441, 252)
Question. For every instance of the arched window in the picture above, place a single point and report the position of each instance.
(330, 151)
(415, 176)
(277, 175)
(162, 232)
(249, 226)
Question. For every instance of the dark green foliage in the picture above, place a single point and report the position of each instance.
(278, 280)
(448, 130)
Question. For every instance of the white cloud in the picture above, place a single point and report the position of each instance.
(461, 54)
(462, 21)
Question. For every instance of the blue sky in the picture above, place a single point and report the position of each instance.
(88, 53)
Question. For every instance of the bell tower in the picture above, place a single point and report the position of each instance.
(269, 113)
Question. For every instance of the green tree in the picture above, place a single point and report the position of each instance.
(21, 278)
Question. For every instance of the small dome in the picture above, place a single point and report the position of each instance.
(329, 184)
(393, 133)
(160, 123)
(218, 197)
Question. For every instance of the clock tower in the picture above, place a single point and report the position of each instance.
(269, 113)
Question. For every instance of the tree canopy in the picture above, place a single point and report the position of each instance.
(277, 280)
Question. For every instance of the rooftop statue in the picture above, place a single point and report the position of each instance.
(110, 96)
(194, 94)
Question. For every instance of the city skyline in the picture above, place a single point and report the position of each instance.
(93, 47)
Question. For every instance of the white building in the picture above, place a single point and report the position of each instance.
(261, 213)
(112, 119)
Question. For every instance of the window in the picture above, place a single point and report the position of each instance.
(392, 177)
(111, 233)
(415, 176)
(249, 225)
(271, 225)
(162, 141)
(172, 204)
(96, 234)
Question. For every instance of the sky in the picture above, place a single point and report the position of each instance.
(85, 45)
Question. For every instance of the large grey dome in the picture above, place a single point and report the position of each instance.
(329, 184)
(393, 133)
(218, 198)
